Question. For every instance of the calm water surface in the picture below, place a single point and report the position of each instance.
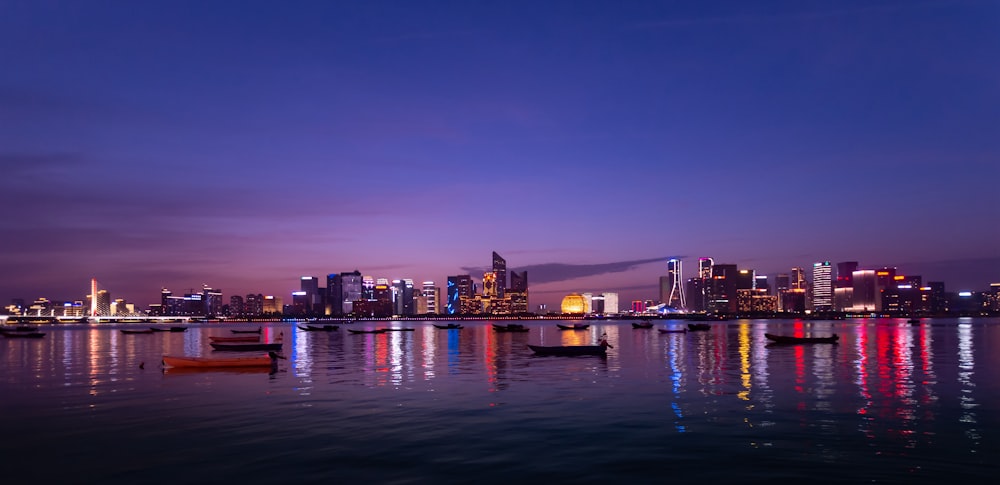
(891, 403)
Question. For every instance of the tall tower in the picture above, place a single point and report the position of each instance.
(499, 274)
(822, 286)
(93, 297)
(676, 277)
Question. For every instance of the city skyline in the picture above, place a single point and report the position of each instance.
(245, 144)
(652, 292)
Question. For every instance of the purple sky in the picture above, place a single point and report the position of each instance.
(245, 144)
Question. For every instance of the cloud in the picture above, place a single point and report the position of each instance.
(555, 272)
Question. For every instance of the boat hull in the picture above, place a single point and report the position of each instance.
(234, 339)
(782, 339)
(207, 363)
(569, 350)
(573, 327)
(244, 347)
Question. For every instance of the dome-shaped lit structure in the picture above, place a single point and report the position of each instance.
(573, 303)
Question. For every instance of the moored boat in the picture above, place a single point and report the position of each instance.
(643, 324)
(785, 339)
(406, 329)
(699, 327)
(246, 331)
(510, 327)
(212, 362)
(168, 329)
(241, 347)
(315, 328)
(234, 339)
(22, 334)
(374, 330)
(575, 326)
(450, 326)
(600, 349)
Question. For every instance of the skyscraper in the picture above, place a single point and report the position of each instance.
(459, 288)
(798, 279)
(675, 278)
(334, 294)
(351, 286)
(845, 272)
(431, 293)
(822, 294)
(499, 274)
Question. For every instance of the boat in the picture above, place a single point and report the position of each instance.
(784, 339)
(20, 328)
(170, 329)
(242, 347)
(390, 329)
(130, 332)
(699, 327)
(22, 334)
(672, 330)
(234, 339)
(510, 327)
(375, 330)
(314, 328)
(246, 331)
(913, 320)
(575, 326)
(267, 360)
(600, 349)
(450, 326)
(644, 324)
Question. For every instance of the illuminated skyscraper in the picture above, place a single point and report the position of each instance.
(334, 294)
(798, 279)
(490, 284)
(431, 293)
(675, 277)
(367, 288)
(459, 287)
(352, 289)
(822, 294)
(705, 268)
(499, 275)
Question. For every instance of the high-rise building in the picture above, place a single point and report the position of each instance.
(402, 294)
(518, 292)
(866, 295)
(432, 295)
(799, 279)
(236, 306)
(722, 290)
(705, 268)
(334, 295)
(367, 287)
(845, 272)
(253, 306)
(273, 305)
(610, 303)
(352, 289)
(675, 279)
(310, 285)
(490, 284)
(822, 294)
(459, 287)
(499, 274)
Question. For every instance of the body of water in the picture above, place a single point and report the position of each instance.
(890, 403)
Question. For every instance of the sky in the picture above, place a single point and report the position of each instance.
(243, 144)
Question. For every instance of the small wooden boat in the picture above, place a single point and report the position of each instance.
(234, 339)
(211, 362)
(376, 330)
(240, 347)
(20, 328)
(22, 334)
(644, 324)
(314, 328)
(575, 326)
(246, 331)
(131, 332)
(672, 330)
(450, 326)
(699, 327)
(169, 329)
(600, 349)
(784, 339)
(510, 327)
(404, 329)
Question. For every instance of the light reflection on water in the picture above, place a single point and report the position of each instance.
(891, 402)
